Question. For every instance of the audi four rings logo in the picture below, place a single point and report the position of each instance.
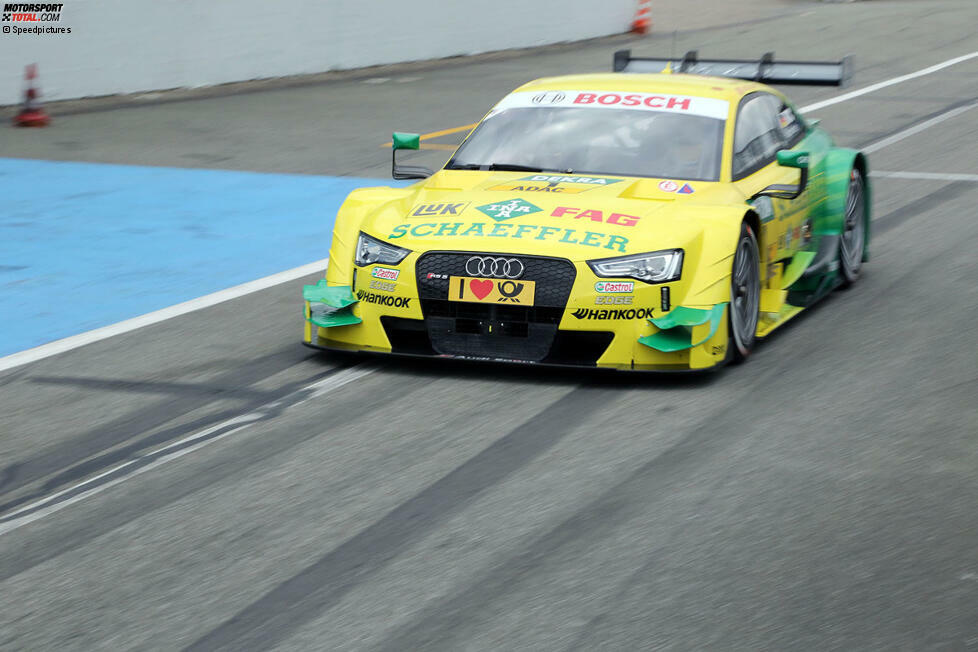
(494, 267)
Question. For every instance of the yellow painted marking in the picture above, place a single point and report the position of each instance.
(442, 146)
(436, 134)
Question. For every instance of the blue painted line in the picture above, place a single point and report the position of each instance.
(85, 245)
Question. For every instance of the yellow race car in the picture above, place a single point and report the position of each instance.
(633, 220)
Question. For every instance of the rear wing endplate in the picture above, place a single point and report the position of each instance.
(765, 70)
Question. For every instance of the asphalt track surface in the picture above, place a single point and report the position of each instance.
(822, 496)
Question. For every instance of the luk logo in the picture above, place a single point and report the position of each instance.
(427, 210)
(508, 209)
(608, 313)
(395, 302)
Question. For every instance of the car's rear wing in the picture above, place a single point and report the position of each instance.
(765, 70)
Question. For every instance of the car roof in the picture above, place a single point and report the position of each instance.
(721, 88)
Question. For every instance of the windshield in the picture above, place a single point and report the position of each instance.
(584, 140)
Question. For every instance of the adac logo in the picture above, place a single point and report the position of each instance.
(509, 209)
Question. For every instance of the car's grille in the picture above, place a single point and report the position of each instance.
(494, 331)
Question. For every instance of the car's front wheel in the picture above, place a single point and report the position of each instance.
(745, 294)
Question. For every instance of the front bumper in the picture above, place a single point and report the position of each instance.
(571, 322)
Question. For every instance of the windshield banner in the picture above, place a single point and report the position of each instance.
(702, 106)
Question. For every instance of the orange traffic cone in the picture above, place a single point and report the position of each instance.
(32, 114)
(643, 18)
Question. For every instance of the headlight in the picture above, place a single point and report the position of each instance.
(371, 250)
(656, 267)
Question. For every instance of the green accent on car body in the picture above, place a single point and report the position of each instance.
(338, 317)
(682, 316)
(400, 140)
(330, 305)
(336, 296)
(799, 263)
(791, 158)
(676, 328)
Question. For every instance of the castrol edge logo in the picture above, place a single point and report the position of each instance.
(608, 287)
(703, 106)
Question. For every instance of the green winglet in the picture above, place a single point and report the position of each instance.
(330, 305)
(336, 296)
(676, 334)
(799, 263)
(339, 317)
(681, 316)
(675, 339)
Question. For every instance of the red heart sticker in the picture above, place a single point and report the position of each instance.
(480, 289)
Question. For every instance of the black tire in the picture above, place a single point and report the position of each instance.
(745, 295)
(852, 242)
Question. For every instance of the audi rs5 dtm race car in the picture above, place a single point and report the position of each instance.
(658, 220)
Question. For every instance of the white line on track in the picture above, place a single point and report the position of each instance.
(99, 483)
(889, 82)
(206, 301)
(928, 176)
(916, 129)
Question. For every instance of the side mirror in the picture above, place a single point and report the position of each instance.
(789, 159)
(406, 141)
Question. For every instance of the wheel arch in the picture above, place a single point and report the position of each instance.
(360, 205)
(753, 220)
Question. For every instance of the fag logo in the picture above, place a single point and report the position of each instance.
(508, 209)
(595, 215)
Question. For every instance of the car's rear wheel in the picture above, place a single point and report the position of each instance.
(745, 294)
(853, 241)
